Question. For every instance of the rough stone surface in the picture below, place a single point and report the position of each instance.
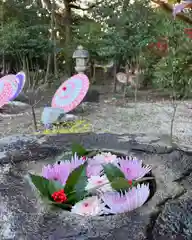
(24, 148)
(167, 215)
(13, 109)
(92, 96)
(175, 219)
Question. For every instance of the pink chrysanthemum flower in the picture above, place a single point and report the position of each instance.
(95, 164)
(94, 170)
(60, 171)
(57, 172)
(132, 168)
(76, 161)
(118, 202)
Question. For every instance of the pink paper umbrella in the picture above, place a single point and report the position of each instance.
(6, 90)
(11, 78)
(70, 94)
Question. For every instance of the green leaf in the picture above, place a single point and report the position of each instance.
(112, 172)
(41, 184)
(77, 148)
(76, 183)
(120, 184)
(64, 206)
(54, 186)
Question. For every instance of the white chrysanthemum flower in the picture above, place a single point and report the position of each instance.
(97, 183)
(104, 158)
(90, 206)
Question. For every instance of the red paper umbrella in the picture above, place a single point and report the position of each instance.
(71, 93)
(6, 90)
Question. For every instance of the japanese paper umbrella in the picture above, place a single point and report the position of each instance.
(121, 77)
(70, 94)
(14, 84)
(6, 90)
(20, 78)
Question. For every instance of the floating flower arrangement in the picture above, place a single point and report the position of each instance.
(94, 183)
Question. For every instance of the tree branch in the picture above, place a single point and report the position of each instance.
(84, 9)
(168, 7)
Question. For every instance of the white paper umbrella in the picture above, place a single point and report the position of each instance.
(121, 77)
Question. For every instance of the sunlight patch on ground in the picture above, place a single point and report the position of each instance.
(79, 126)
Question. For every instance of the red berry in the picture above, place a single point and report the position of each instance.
(59, 196)
(130, 182)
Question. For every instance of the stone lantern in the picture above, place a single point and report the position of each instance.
(81, 56)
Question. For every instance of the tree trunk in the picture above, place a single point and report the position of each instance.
(48, 67)
(2, 26)
(53, 37)
(68, 36)
(114, 77)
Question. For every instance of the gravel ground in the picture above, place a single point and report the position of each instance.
(147, 118)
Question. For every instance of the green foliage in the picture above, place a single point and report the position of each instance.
(24, 34)
(120, 184)
(118, 30)
(41, 184)
(18, 41)
(112, 172)
(174, 70)
(79, 150)
(116, 177)
(127, 31)
(74, 187)
(88, 33)
(76, 183)
(54, 186)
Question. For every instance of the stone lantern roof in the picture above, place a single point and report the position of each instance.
(80, 52)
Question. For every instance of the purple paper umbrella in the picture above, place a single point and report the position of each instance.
(178, 8)
(20, 78)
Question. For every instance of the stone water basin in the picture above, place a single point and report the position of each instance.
(24, 216)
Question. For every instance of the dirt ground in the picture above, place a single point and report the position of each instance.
(151, 114)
